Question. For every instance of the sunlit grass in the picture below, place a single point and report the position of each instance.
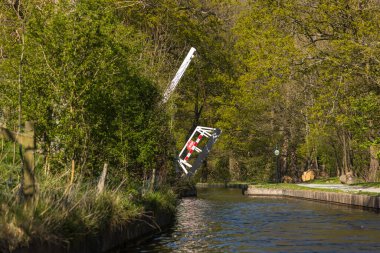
(61, 212)
(283, 186)
(369, 184)
(330, 180)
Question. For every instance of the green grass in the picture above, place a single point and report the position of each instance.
(335, 180)
(283, 186)
(330, 180)
(161, 201)
(369, 184)
(280, 186)
(228, 183)
(374, 194)
(61, 212)
(240, 182)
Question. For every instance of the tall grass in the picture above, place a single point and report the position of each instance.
(61, 212)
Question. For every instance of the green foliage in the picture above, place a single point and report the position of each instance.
(82, 85)
(184, 184)
(221, 171)
(308, 81)
(299, 75)
(97, 99)
(160, 201)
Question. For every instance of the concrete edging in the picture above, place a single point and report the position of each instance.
(364, 201)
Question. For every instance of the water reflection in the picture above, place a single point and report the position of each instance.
(222, 220)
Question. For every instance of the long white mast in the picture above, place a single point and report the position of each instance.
(178, 75)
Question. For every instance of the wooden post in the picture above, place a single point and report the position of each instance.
(102, 179)
(153, 180)
(14, 154)
(27, 141)
(28, 169)
(72, 171)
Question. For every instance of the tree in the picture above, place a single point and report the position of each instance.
(85, 92)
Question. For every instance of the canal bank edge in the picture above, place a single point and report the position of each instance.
(222, 185)
(187, 192)
(108, 240)
(364, 201)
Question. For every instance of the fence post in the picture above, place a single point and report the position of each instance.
(28, 184)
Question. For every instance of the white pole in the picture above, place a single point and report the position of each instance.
(178, 75)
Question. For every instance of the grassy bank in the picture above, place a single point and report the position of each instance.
(298, 187)
(62, 213)
(287, 186)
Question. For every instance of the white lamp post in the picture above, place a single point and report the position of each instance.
(277, 153)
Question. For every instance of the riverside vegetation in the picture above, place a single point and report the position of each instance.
(300, 75)
(61, 214)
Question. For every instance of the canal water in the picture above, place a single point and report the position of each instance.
(223, 220)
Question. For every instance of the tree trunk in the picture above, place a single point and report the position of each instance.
(205, 171)
(294, 172)
(346, 158)
(338, 166)
(233, 168)
(153, 180)
(374, 163)
(197, 115)
(284, 157)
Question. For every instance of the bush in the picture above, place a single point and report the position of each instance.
(160, 201)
